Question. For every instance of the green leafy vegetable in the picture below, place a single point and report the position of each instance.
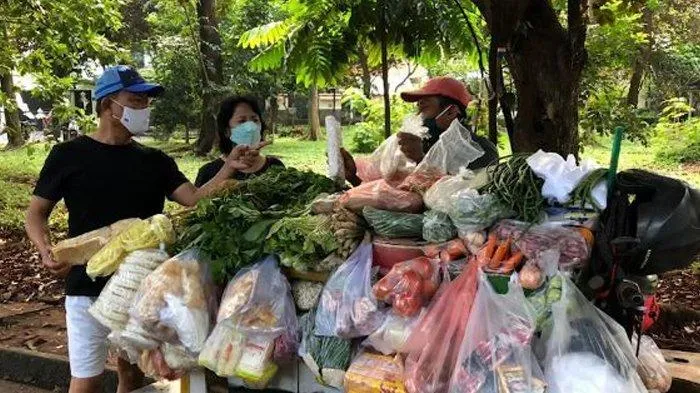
(301, 242)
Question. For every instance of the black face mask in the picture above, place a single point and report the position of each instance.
(433, 134)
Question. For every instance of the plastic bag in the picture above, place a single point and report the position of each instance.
(534, 239)
(408, 285)
(326, 357)
(421, 181)
(471, 211)
(257, 324)
(393, 224)
(336, 167)
(454, 150)
(174, 305)
(496, 353)
(561, 177)
(585, 350)
(380, 195)
(388, 160)
(391, 337)
(112, 306)
(140, 235)
(438, 227)
(433, 345)
(652, 366)
(348, 308)
(440, 195)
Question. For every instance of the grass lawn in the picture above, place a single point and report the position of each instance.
(20, 168)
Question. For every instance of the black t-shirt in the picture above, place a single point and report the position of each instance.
(102, 184)
(210, 169)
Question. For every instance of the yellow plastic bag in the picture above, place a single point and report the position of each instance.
(140, 235)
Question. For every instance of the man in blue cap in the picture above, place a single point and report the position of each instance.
(103, 178)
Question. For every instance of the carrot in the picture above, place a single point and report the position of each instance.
(490, 246)
(587, 234)
(456, 248)
(501, 252)
(512, 262)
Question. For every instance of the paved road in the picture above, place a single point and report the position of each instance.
(11, 387)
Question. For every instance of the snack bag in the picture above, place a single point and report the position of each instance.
(496, 354)
(434, 343)
(585, 350)
(347, 307)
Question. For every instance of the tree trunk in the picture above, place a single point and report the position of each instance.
(273, 114)
(187, 134)
(641, 62)
(545, 61)
(385, 68)
(493, 100)
(314, 117)
(12, 123)
(210, 55)
(366, 76)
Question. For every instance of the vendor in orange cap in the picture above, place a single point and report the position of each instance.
(440, 101)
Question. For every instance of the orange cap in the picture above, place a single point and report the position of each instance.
(440, 86)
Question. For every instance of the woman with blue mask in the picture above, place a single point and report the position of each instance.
(239, 122)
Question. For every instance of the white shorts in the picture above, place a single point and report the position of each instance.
(87, 338)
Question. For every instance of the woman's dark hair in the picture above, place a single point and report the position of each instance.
(228, 106)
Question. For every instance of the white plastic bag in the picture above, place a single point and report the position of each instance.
(392, 335)
(561, 177)
(454, 150)
(440, 196)
(652, 366)
(583, 341)
(388, 159)
(336, 167)
(347, 307)
(496, 350)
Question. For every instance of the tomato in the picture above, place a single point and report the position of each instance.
(422, 266)
(407, 305)
(385, 286)
(411, 283)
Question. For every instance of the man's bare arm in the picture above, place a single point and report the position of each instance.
(37, 227)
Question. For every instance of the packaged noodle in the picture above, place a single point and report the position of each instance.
(174, 305)
(140, 235)
(112, 306)
(78, 250)
(372, 373)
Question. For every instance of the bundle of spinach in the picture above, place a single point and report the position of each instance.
(231, 227)
(301, 242)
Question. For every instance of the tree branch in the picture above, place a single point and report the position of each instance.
(410, 73)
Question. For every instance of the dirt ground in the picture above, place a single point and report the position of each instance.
(11, 387)
(32, 314)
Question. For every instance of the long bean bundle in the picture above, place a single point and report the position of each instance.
(582, 194)
(516, 186)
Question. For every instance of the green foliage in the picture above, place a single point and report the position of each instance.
(675, 109)
(364, 140)
(678, 142)
(606, 109)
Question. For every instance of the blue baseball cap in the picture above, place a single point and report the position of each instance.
(123, 77)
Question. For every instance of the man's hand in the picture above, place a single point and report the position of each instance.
(350, 168)
(59, 269)
(411, 146)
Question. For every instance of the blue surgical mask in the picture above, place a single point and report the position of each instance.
(247, 133)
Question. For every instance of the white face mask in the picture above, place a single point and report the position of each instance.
(135, 120)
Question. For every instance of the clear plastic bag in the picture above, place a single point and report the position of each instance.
(585, 350)
(453, 151)
(139, 235)
(388, 160)
(440, 195)
(174, 305)
(257, 311)
(336, 167)
(496, 351)
(652, 366)
(112, 306)
(347, 307)
(326, 357)
(433, 345)
(391, 337)
(373, 373)
(534, 239)
(393, 224)
(471, 211)
(438, 227)
(380, 195)
(409, 285)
